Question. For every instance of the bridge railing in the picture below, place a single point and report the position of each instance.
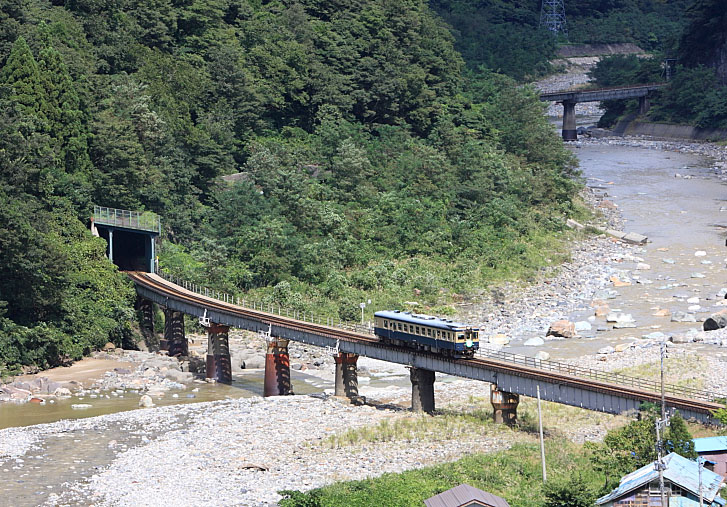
(141, 220)
(600, 375)
(268, 307)
(367, 328)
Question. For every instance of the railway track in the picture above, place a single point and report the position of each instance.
(168, 289)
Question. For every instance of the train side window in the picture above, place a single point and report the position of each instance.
(429, 332)
(417, 330)
(399, 324)
(439, 333)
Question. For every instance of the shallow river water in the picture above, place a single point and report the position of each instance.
(675, 200)
(681, 216)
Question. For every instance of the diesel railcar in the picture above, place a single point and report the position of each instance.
(424, 332)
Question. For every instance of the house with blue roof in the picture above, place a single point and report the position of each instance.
(681, 482)
(714, 451)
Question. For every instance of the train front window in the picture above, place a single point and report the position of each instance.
(460, 337)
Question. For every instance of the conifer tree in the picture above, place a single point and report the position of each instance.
(62, 109)
(22, 74)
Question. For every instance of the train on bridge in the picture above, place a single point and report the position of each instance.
(428, 333)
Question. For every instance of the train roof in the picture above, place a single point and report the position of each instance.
(422, 320)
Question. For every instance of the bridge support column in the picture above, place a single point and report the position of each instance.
(176, 341)
(504, 405)
(422, 390)
(346, 376)
(644, 105)
(145, 309)
(277, 368)
(219, 364)
(569, 121)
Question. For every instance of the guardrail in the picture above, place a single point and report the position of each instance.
(600, 375)
(141, 220)
(531, 362)
(268, 307)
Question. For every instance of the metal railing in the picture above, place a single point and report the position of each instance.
(141, 220)
(600, 375)
(550, 366)
(268, 307)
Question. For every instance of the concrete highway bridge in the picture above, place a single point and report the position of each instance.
(509, 375)
(569, 99)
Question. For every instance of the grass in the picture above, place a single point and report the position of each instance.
(677, 371)
(445, 425)
(514, 474)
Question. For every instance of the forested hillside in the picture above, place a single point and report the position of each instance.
(368, 163)
(697, 94)
(504, 35)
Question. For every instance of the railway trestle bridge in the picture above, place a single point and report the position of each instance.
(509, 375)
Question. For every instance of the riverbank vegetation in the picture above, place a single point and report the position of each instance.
(697, 93)
(362, 160)
(577, 473)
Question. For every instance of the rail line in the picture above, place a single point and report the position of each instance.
(689, 400)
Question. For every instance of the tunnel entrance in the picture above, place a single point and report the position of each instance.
(130, 237)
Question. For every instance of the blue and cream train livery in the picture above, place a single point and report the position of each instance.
(425, 332)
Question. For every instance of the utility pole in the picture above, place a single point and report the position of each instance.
(661, 424)
(700, 464)
(542, 442)
(552, 17)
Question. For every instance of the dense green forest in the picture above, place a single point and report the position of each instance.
(369, 162)
(697, 94)
(504, 35)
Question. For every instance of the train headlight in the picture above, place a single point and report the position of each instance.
(469, 343)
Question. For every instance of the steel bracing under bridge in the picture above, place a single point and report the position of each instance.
(558, 382)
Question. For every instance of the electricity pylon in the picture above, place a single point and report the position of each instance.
(552, 17)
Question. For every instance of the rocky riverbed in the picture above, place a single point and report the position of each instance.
(242, 451)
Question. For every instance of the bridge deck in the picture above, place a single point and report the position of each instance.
(620, 92)
(521, 376)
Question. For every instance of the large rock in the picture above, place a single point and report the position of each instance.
(620, 318)
(716, 321)
(16, 393)
(178, 376)
(534, 342)
(607, 350)
(683, 317)
(602, 311)
(499, 339)
(542, 355)
(583, 325)
(62, 392)
(562, 328)
(681, 338)
(255, 362)
(621, 347)
(146, 401)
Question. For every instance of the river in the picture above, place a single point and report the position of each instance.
(682, 216)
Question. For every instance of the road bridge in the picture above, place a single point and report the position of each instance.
(509, 375)
(569, 99)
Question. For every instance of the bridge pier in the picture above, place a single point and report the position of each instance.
(145, 309)
(504, 405)
(569, 132)
(277, 368)
(644, 105)
(176, 341)
(422, 390)
(346, 376)
(219, 363)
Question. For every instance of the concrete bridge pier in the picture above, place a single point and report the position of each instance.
(219, 364)
(174, 337)
(504, 405)
(346, 376)
(277, 368)
(569, 121)
(422, 390)
(644, 105)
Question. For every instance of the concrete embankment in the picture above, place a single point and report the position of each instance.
(632, 127)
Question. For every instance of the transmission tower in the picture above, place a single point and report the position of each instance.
(552, 17)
